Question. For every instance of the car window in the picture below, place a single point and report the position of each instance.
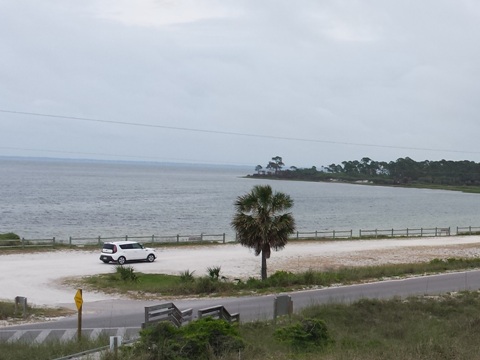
(137, 246)
(126, 246)
(108, 246)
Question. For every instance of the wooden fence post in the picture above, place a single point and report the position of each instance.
(224, 238)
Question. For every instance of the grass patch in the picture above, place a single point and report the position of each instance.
(442, 328)
(186, 284)
(7, 312)
(49, 350)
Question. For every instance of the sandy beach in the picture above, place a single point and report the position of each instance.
(40, 276)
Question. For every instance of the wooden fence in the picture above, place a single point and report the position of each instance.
(405, 232)
(468, 230)
(333, 234)
(169, 312)
(152, 239)
(166, 312)
(222, 238)
(219, 312)
(23, 243)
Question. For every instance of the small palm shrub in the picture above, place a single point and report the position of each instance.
(214, 272)
(127, 273)
(187, 276)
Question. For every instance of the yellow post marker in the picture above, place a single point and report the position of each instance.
(79, 302)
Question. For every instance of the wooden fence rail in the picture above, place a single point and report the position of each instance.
(333, 234)
(468, 230)
(166, 312)
(219, 312)
(445, 231)
(169, 312)
(24, 243)
(222, 238)
(152, 239)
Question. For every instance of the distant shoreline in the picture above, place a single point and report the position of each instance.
(465, 189)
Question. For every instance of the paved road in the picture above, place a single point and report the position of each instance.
(124, 317)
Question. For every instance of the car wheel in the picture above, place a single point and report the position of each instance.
(121, 260)
(151, 258)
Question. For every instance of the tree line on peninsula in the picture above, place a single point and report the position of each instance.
(403, 171)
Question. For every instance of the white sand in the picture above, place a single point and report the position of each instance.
(38, 276)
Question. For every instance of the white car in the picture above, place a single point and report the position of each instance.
(123, 251)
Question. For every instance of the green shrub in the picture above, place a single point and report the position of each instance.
(305, 335)
(206, 285)
(309, 277)
(7, 309)
(201, 339)
(214, 272)
(187, 276)
(10, 239)
(210, 336)
(282, 278)
(9, 236)
(127, 273)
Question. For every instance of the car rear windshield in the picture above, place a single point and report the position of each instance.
(108, 246)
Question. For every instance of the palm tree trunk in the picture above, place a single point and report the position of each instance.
(264, 266)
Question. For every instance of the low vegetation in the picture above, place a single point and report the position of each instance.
(49, 350)
(214, 284)
(444, 174)
(422, 328)
(7, 312)
(9, 239)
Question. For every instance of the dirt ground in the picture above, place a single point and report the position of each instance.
(373, 257)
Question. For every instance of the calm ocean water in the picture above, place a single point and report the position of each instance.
(45, 198)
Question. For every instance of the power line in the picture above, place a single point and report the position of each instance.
(232, 133)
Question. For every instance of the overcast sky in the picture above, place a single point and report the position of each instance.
(238, 82)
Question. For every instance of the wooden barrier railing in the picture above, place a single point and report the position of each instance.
(219, 312)
(437, 231)
(166, 312)
(222, 238)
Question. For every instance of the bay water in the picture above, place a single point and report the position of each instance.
(45, 198)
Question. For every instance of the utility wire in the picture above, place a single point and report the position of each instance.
(232, 133)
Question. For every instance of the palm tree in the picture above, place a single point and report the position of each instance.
(262, 223)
